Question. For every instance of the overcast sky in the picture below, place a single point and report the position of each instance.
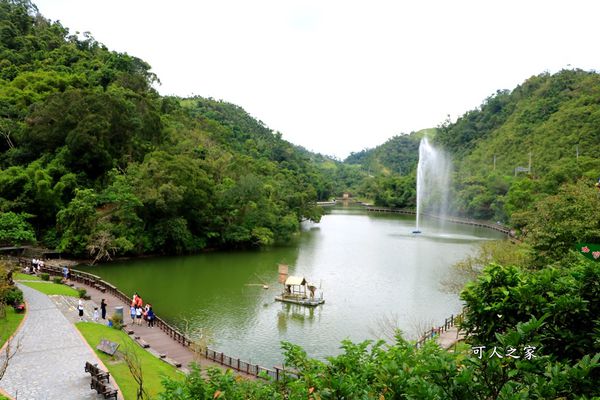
(341, 76)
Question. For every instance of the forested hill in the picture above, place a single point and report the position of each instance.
(94, 162)
(385, 174)
(554, 118)
(397, 155)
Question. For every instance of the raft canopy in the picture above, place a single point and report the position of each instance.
(295, 281)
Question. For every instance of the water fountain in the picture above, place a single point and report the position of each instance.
(433, 182)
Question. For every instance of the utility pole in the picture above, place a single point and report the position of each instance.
(577, 152)
(529, 163)
(494, 162)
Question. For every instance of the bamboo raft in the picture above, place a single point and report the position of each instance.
(303, 301)
(297, 290)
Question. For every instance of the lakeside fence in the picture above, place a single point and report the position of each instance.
(464, 221)
(276, 373)
(450, 322)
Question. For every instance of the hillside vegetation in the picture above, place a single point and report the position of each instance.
(94, 162)
(554, 119)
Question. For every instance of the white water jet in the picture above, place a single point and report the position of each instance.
(433, 182)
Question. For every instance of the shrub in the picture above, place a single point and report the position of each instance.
(45, 276)
(82, 292)
(117, 321)
(57, 279)
(13, 296)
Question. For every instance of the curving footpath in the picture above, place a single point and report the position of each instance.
(50, 362)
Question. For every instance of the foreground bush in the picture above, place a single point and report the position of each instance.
(566, 297)
(377, 371)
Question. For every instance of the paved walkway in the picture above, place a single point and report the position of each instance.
(159, 341)
(50, 362)
(450, 337)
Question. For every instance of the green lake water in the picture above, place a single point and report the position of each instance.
(370, 268)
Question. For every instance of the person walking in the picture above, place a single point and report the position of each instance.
(150, 317)
(103, 308)
(96, 317)
(138, 315)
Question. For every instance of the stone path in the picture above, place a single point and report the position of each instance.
(50, 361)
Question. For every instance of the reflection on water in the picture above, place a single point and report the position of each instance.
(441, 237)
(368, 267)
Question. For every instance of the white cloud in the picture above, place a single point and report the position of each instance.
(339, 76)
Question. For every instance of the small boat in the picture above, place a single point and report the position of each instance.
(297, 290)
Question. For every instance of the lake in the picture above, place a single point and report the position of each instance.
(370, 267)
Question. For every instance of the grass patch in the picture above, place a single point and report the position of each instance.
(19, 276)
(153, 368)
(9, 325)
(52, 288)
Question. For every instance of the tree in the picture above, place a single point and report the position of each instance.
(14, 229)
(101, 246)
(77, 222)
(134, 364)
(556, 223)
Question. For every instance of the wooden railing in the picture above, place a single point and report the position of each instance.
(449, 322)
(277, 373)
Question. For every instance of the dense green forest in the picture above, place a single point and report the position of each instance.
(94, 162)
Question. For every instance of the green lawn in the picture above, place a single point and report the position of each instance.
(52, 288)
(152, 368)
(9, 324)
(19, 276)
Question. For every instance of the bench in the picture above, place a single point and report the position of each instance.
(103, 388)
(96, 372)
(174, 363)
(100, 287)
(142, 342)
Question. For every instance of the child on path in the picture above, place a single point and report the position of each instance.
(96, 316)
(80, 308)
(132, 313)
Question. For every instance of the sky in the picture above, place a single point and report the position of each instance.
(340, 76)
